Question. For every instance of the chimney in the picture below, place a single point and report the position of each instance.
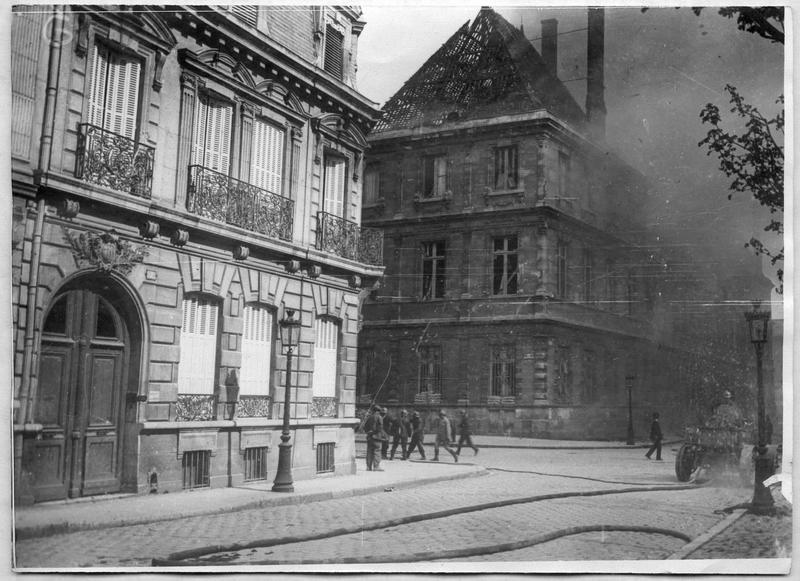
(595, 100)
(550, 44)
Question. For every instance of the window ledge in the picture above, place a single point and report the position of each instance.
(433, 201)
(503, 197)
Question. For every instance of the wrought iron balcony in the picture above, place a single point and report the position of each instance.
(114, 161)
(222, 198)
(349, 240)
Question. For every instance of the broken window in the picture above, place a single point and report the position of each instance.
(433, 265)
(505, 265)
(505, 168)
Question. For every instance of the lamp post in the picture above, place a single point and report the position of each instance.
(758, 324)
(290, 334)
(629, 386)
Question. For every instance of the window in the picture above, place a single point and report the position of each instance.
(563, 174)
(254, 375)
(196, 369)
(326, 350)
(561, 269)
(325, 457)
(366, 361)
(587, 275)
(266, 167)
(434, 176)
(433, 265)
(255, 463)
(430, 369)
(372, 190)
(212, 134)
(114, 91)
(505, 168)
(196, 464)
(247, 12)
(334, 52)
(505, 266)
(335, 179)
(503, 371)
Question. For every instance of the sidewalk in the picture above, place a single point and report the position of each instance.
(100, 512)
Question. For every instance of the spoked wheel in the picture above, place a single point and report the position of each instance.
(685, 462)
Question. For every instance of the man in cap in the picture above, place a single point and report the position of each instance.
(417, 435)
(373, 428)
(444, 432)
(465, 433)
(400, 431)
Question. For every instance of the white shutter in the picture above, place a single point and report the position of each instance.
(254, 378)
(113, 91)
(267, 165)
(440, 171)
(97, 84)
(212, 134)
(197, 366)
(325, 350)
(334, 186)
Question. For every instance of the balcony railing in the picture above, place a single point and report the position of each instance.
(349, 240)
(222, 198)
(114, 161)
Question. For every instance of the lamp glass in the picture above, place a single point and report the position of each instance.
(290, 330)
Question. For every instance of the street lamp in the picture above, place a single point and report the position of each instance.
(758, 323)
(629, 386)
(290, 334)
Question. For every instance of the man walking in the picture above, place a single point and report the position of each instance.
(655, 436)
(417, 435)
(373, 427)
(400, 431)
(444, 431)
(465, 433)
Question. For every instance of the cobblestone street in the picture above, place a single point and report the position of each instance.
(531, 505)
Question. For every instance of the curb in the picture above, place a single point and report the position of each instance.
(38, 531)
(702, 539)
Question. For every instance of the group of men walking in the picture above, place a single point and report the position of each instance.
(379, 427)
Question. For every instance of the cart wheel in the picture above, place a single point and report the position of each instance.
(685, 462)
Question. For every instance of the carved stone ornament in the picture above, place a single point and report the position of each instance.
(293, 266)
(149, 229)
(105, 251)
(69, 208)
(355, 281)
(241, 252)
(179, 237)
(314, 270)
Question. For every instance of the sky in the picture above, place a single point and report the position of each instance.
(661, 68)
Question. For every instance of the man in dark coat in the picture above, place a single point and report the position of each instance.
(655, 436)
(465, 433)
(388, 428)
(400, 431)
(373, 428)
(417, 435)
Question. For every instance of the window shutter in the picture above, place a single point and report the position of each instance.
(334, 53)
(97, 85)
(212, 135)
(334, 186)
(254, 378)
(267, 167)
(197, 366)
(248, 13)
(325, 350)
(113, 91)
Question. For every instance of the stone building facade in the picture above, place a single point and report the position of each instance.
(518, 282)
(184, 179)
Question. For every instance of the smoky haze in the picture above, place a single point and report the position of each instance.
(661, 68)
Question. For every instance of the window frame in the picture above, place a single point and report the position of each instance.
(429, 369)
(332, 384)
(281, 154)
(502, 159)
(436, 279)
(192, 339)
(270, 316)
(332, 154)
(433, 178)
(504, 358)
(508, 277)
(372, 184)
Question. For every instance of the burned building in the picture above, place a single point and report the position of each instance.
(516, 282)
(185, 179)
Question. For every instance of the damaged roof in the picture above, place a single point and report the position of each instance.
(483, 70)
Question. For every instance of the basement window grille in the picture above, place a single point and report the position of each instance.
(255, 463)
(325, 461)
(196, 466)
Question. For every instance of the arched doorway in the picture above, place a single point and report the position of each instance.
(88, 364)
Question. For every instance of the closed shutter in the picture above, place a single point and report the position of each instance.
(113, 91)
(212, 134)
(334, 185)
(325, 350)
(248, 13)
(254, 376)
(197, 366)
(334, 51)
(267, 166)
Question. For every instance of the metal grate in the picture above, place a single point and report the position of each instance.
(325, 461)
(196, 469)
(255, 463)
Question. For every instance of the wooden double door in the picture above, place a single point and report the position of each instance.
(80, 401)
